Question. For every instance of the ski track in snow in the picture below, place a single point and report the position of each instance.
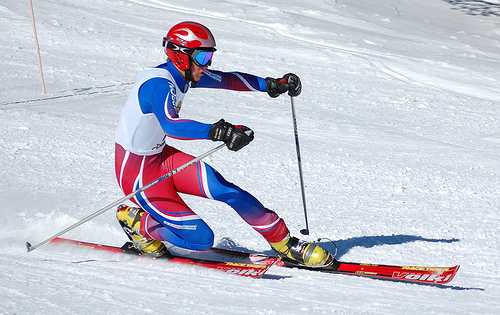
(400, 140)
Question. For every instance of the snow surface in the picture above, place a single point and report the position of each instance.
(399, 132)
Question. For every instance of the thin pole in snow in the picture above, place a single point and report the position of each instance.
(306, 230)
(37, 47)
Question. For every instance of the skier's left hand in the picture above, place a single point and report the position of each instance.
(235, 137)
(289, 83)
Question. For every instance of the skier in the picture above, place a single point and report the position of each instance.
(142, 154)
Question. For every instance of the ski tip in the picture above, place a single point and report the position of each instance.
(29, 247)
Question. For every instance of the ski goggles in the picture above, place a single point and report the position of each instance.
(200, 56)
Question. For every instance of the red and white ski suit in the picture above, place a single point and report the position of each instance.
(150, 114)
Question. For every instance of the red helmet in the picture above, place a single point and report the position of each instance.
(189, 40)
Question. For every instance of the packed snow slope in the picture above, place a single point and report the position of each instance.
(399, 127)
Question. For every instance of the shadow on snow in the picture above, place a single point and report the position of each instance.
(343, 246)
(476, 7)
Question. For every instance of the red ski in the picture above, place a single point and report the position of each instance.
(430, 275)
(257, 264)
(434, 275)
(255, 267)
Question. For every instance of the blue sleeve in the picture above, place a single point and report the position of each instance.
(157, 96)
(236, 81)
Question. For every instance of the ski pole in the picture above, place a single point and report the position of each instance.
(306, 230)
(127, 197)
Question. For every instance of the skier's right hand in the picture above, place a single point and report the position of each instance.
(289, 83)
(235, 137)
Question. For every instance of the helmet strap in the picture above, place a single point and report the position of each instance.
(188, 76)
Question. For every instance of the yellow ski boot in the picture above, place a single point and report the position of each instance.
(130, 220)
(295, 251)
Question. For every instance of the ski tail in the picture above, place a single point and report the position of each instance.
(93, 246)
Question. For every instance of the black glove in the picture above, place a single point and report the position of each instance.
(290, 82)
(235, 137)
